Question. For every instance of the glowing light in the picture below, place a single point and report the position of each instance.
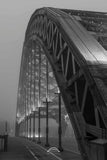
(67, 120)
(58, 90)
(39, 104)
(30, 112)
(36, 135)
(33, 107)
(18, 115)
(33, 50)
(31, 135)
(27, 113)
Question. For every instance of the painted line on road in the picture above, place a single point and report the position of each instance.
(55, 156)
(31, 153)
(49, 152)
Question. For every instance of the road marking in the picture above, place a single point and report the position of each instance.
(31, 153)
(55, 156)
(49, 152)
(54, 149)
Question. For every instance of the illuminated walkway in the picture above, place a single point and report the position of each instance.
(22, 149)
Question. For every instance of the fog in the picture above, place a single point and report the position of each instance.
(14, 17)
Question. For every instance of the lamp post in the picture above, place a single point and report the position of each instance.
(59, 127)
(6, 127)
(47, 122)
(27, 125)
(39, 129)
(47, 129)
(34, 125)
(34, 83)
(30, 125)
(47, 126)
(39, 93)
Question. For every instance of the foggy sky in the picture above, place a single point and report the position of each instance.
(14, 17)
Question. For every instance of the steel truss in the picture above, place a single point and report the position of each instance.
(75, 50)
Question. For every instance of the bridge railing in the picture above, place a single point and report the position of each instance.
(3, 142)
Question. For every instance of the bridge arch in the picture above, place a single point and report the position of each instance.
(79, 63)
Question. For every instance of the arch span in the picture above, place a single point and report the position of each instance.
(79, 64)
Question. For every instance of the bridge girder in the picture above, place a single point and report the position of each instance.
(77, 59)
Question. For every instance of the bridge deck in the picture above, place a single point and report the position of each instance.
(22, 149)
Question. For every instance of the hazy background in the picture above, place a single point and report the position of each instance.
(14, 17)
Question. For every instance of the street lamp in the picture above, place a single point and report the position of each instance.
(59, 127)
(27, 133)
(30, 124)
(33, 122)
(39, 129)
(47, 129)
(47, 124)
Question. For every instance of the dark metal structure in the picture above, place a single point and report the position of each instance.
(65, 50)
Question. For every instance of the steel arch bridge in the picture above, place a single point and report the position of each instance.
(64, 52)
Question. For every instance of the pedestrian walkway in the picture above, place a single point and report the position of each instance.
(15, 151)
(22, 149)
